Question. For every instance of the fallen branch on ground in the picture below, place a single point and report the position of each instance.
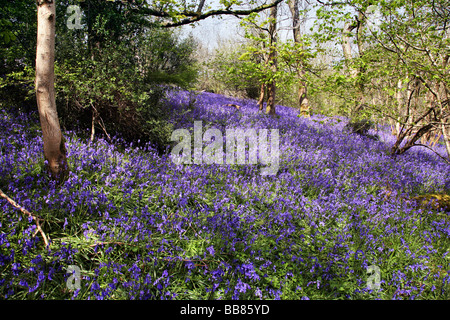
(233, 105)
(28, 213)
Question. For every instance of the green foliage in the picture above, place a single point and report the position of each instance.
(391, 41)
(166, 58)
(242, 69)
(361, 127)
(114, 66)
(17, 51)
(235, 72)
(116, 74)
(6, 34)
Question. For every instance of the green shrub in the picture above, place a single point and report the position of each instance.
(116, 77)
(361, 127)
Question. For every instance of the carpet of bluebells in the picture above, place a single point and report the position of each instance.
(140, 226)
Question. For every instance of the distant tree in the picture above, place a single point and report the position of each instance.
(260, 58)
(303, 101)
(272, 61)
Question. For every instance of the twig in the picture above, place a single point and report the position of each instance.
(233, 105)
(28, 213)
(102, 124)
(425, 146)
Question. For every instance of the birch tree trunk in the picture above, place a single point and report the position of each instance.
(54, 147)
(303, 102)
(272, 60)
(445, 127)
(347, 49)
(399, 98)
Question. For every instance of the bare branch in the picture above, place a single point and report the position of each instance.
(194, 16)
(331, 3)
(424, 145)
(28, 213)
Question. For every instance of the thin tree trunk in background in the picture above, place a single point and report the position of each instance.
(355, 73)
(445, 127)
(270, 108)
(428, 137)
(261, 97)
(303, 102)
(54, 147)
(409, 95)
(399, 105)
(303, 97)
(362, 70)
(445, 123)
(272, 60)
(94, 119)
(347, 50)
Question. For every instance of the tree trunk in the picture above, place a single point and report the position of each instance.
(303, 97)
(303, 101)
(261, 97)
(272, 60)
(445, 123)
(54, 147)
(270, 109)
(347, 50)
(94, 120)
(445, 127)
(356, 74)
(399, 106)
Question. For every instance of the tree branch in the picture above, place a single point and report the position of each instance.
(194, 16)
(331, 3)
(28, 213)
(440, 156)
